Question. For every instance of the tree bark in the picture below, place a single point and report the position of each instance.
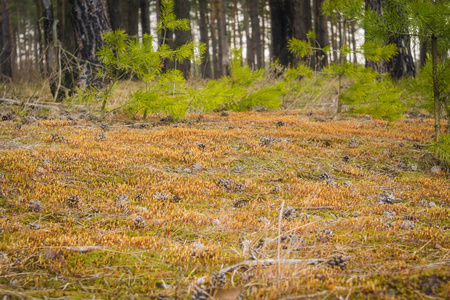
(131, 14)
(250, 54)
(214, 41)
(115, 14)
(223, 38)
(50, 38)
(182, 11)
(281, 16)
(321, 29)
(423, 52)
(263, 31)
(90, 20)
(65, 29)
(145, 16)
(7, 42)
(380, 66)
(256, 32)
(402, 65)
(203, 24)
(436, 91)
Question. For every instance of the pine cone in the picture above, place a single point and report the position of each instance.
(289, 213)
(73, 201)
(218, 279)
(35, 206)
(139, 222)
(337, 262)
(122, 202)
(199, 294)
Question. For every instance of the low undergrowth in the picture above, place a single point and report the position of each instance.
(156, 209)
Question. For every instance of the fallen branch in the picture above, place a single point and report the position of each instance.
(17, 102)
(307, 296)
(317, 208)
(84, 249)
(270, 262)
(14, 294)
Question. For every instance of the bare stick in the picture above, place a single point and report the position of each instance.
(279, 243)
(271, 262)
(16, 102)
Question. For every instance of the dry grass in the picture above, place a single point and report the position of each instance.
(191, 226)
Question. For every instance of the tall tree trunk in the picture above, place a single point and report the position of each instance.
(423, 53)
(182, 11)
(250, 54)
(256, 32)
(302, 22)
(115, 14)
(131, 17)
(290, 18)
(436, 91)
(18, 43)
(334, 40)
(219, 16)
(402, 65)
(380, 66)
(223, 38)
(158, 19)
(65, 29)
(281, 31)
(51, 53)
(263, 30)
(353, 34)
(235, 22)
(145, 16)
(321, 29)
(214, 42)
(90, 20)
(203, 24)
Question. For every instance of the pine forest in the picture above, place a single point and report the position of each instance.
(224, 149)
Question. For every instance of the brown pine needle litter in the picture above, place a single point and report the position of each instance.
(193, 210)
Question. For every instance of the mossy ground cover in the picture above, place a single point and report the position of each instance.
(156, 209)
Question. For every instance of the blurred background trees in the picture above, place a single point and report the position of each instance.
(261, 28)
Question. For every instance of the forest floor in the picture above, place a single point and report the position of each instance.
(114, 209)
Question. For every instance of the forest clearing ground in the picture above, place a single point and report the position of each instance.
(122, 210)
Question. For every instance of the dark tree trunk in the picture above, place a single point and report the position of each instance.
(7, 42)
(182, 11)
(423, 53)
(115, 14)
(281, 16)
(65, 28)
(90, 20)
(131, 17)
(263, 30)
(158, 19)
(402, 65)
(290, 18)
(380, 66)
(302, 19)
(214, 42)
(50, 38)
(145, 16)
(334, 40)
(203, 24)
(353, 33)
(321, 29)
(223, 39)
(250, 54)
(256, 32)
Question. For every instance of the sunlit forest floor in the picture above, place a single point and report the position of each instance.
(126, 209)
